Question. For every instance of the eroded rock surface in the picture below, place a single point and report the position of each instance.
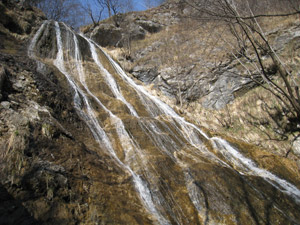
(212, 82)
(190, 177)
(51, 171)
(81, 143)
(121, 29)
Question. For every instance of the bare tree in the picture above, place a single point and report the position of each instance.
(94, 10)
(114, 7)
(109, 4)
(67, 11)
(242, 18)
(126, 6)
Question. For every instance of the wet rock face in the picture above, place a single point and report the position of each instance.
(150, 167)
(40, 129)
(153, 172)
(47, 44)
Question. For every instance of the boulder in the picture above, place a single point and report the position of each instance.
(107, 35)
(110, 35)
(136, 32)
(145, 74)
(223, 90)
(149, 26)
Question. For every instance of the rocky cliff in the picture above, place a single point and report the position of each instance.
(190, 64)
(46, 163)
(181, 56)
(163, 46)
(82, 142)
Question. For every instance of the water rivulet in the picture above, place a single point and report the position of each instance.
(179, 173)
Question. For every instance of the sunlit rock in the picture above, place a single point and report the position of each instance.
(84, 143)
(296, 147)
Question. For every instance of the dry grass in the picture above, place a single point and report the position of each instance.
(184, 44)
(256, 117)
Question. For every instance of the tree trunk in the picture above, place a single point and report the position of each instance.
(108, 7)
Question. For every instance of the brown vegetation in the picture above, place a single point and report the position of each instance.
(259, 117)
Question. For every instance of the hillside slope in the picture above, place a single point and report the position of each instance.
(82, 142)
(190, 64)
(49, 171)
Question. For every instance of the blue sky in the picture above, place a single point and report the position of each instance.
(141, 5)
(138, 5)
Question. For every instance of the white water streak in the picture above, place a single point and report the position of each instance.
(110, 80)
(189, 131)
(125, 141)
(235, 156)
(248, 167)
(35, 38)
(155, 107)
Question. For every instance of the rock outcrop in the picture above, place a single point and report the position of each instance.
(81, 143)
(214, 82)
(46, 163)
(18, 18)
(121, 29)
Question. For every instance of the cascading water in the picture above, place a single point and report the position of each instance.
(248, 167)
(169, 159)
(124, 137)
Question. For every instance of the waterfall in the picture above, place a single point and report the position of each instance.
(123, 135)
(163, 151)
(33, 42)
(224, 147)
(110, 80)
(247, 166)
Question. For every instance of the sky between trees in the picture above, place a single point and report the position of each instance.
(82, 12)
